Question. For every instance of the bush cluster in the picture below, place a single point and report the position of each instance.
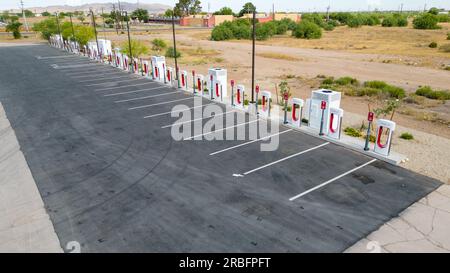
(351, 87)
(242, 29)
(426, 21)
(307, 30)
(428, 92)
(395, 20)
(407, 136)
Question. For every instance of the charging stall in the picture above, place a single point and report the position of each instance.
(117, 58)
(184, 80)
(125, 62)
(93, 51)
(105, 47)
(200, 83)
(219, 80)
(266, 97)
(331, 98)
(335, 127)
(136, 66)
(145, 68)
(169, 76)
(240, 96)
(158, 67)
(385, 131)
(297, 112)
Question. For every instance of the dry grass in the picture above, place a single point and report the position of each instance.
(278, 56)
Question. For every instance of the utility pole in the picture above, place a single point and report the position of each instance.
(116, 25)
(24, 17)
(253, 55)
(328, 13)
(57, 23)
(175, 48)
(121, 17)
(95, 32)
(71, 23)
(103, 17)
(401, 8)
(273, 11)
(129, 43)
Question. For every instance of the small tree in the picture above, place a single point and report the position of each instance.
(307, 30)
(137, 48)
(388, 108)
(83, 34)
(426, 21)
(14, 27)
(170, 53)
(247, 8)
(46, 14)
(81, 18)
(188, 7)
(158, 45)
(141, 15)
(224, 11)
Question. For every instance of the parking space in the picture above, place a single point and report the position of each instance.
(99, 144)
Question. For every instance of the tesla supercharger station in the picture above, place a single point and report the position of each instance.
(265, 103)
(335, 127)
(105, 47)
(240, 96)
(59, 41)
(117, 58)
(217, 75)
(184, 80)
(169, 76)
(331, 98)
(125, 62)
(158, 67)
(93, 51)
(146, 68)
(297, 112)
(200, 82)
(385, 130)
(135, 66)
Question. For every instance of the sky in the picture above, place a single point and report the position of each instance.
(262, 5)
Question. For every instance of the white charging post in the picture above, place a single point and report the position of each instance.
(323, 106)
(158, 68)
(240, 96)
(200, 80)
(184, 80)
(296, 119)
(265, 103)
(387, 127)
(232, 92)
(335, 127)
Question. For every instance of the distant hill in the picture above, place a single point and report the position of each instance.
(97, 7)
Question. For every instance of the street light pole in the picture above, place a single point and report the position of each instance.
(175, 48)
(253, 55)
(95, 31)
(129, 42)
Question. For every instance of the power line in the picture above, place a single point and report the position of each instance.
(24, 17)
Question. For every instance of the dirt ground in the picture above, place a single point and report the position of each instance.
(399, 56)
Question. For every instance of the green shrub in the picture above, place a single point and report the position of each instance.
(367, 91)
(426, 21)
(158, 44)
(355, 22)
(395, 20)
(346, 81)
(394, 91)
(14, 27)
(375, 84)
(402, 21)
(433, 45)
(221, 33)
(443, 18)
(315, 18)
(170, 53)
(307, 30)
(328, 27)
(328, 81)
(448, 36)
(352, 132)
(407, 136)
(428, 92)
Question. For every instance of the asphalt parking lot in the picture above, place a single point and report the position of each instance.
(98, 143)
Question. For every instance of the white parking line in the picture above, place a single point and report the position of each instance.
(134, 91)
(179, 123)
(250, 142)
(100, 79)
(283, 159)
(55, 66)
(54, 57)
(128, 80)
(156, 104)
(170, 112)
(118, 87)
(148, 97)
(223, 129)
(91, 75)
(330, 181)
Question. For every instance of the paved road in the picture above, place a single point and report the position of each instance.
(114, 180)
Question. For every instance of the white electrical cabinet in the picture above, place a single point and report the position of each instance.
(218, 75)
(159, 67)
(105, 47)
(332, 100)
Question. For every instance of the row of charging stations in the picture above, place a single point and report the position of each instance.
(322, 110)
